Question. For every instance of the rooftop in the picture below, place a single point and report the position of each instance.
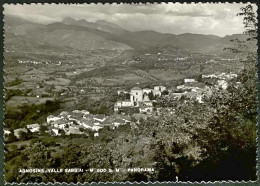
(99, 116)
(136, 88)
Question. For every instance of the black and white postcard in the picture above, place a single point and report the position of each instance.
(148, 92)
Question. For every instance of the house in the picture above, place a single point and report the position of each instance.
(118, 122)
(7, 132)
(52, 118)
(120, 104)
(84, 112)
(145, 109)
(222, 84)
(125, 118)
(99, 117)
(177, 96)
(91, 123)
(33, 127)
(74, 118)
(17, 132)
(147, 91)
(136, 94)
(88, 116)
(77, 114)
(199, 98)
(122, 92)
(55, 132)
(180, 87)
(61, 124)
(109, 122)
(148, 103)
(64, 113)
(75, 129)
(189, 80)
(96, 134)
(157, 93)
(191, 86)
(195, 96)
(160, 88)
(96, 127)
(222, 76)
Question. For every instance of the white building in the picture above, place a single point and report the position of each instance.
(96, 127)
(99, 117)
(122, 92)
(177, 96)
(136, 94)
(81, 112)
(157, 93)
(124, 104)
(146, 109)
(17, 132)
(33, 127)
(52, 118)
(147, 91)
(7, 132)
(189, 80)
(148, 103)
(160, 88)
(55, 132)
(64, 113)
(222, 84)
(199, 98)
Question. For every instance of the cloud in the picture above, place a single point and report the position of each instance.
(205, 18)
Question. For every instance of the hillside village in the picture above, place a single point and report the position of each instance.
(94, 96)
(144, 102)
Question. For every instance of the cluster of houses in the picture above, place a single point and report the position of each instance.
(33, 128)
(220, 79)
(38, 62)
(192, 89)
(80, 121)
(75, 122)
(28, 61)
(139, 98)
(223, 76)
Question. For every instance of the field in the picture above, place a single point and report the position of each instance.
(16, 101)
(49, 74)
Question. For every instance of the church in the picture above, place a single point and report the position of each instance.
(140, 97)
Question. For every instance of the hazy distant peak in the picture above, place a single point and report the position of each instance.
(83, 21)
(103, 22)
(68, 20)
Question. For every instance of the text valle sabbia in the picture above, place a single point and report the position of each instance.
(79, 170)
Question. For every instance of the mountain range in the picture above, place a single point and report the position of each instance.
(83, 35)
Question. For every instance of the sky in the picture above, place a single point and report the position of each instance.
(176, 18)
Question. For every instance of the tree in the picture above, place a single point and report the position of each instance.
(43, 128)
(199, 78)
(230, 140)
(165, 92)
(23, 135)
(11, 137)
(151, 96)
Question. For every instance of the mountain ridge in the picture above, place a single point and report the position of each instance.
(105, 35)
